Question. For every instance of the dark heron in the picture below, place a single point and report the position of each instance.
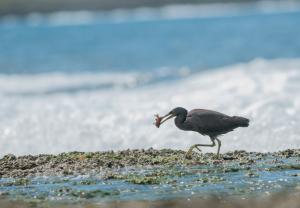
(206, 122)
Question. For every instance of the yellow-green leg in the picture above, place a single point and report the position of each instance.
(189, 152)
(219, 146)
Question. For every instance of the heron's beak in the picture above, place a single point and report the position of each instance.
(166, 117)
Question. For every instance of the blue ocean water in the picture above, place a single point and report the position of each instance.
(146, 45)
(70, 77)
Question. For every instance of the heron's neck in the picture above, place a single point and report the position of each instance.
(180, 122)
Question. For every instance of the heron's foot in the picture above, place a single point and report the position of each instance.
(188, 155)
(216, 157)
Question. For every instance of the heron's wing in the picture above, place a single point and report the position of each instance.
(203, 112)
(210, 122)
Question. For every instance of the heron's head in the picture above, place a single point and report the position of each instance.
(173, 113)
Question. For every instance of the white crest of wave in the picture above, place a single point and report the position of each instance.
(59, 82)
(267, 92)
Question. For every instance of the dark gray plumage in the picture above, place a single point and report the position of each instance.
(206, 122)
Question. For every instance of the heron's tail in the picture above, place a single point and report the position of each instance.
(240, 121)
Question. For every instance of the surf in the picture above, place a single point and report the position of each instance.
(120, 116)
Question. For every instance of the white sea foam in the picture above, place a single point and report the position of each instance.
(51, 83)
(180, 11)
(58, 82)
(267, 92)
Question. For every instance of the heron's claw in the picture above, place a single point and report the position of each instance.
(188, 155)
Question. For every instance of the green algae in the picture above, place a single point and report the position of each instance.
(156, 177)
(84, 194)
(22, 182)
(85, 182)
(231, 170)
(159, 176)
(92, 194)
(284, 167)
(17, 182)
(114, 176)
(252, 174)
(145, 180)
(211, 180)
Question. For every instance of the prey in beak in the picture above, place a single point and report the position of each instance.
(160, 120)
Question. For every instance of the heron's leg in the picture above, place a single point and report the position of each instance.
(191, 149)
(189, 152)
(219, 146)
(198, 149)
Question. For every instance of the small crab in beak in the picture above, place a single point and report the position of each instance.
(160, 120)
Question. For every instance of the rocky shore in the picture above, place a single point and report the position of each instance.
(82, 163)
(145, 178)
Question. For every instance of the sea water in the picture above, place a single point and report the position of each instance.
(88, 81)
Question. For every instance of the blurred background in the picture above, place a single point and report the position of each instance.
(20, 7)
(90, 75)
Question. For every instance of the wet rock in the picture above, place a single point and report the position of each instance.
(284, 167)
(17, 182)
(9, 157)
(92, 194)
(213, 179)
(228, 157)
(112, 175)
(4, 193)
(231, 170)
(252, 174)
(145, 180)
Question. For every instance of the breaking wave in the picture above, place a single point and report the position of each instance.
(121, 117)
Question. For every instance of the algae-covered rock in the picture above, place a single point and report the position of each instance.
(86, 182)
(9, 157)
(17, 182)
(212, 179)
(92, 194)
(80, 163)
(231, 170)
(252, 174)
(86, 194)
(112, 175)
(95, 175)
(284, 167)
(22, 182)
(145, 180)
